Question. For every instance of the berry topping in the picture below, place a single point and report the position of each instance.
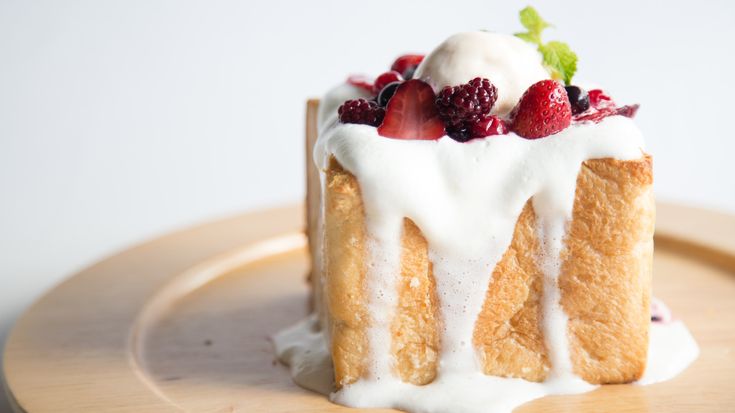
(362, 82)
(361, 111)
(405, 63)
(542, 111)
(578, 99)
(599, 99)
(488, 126)
(628, 111)
(411, 113)
(465, 104)
(388, 91)
(602, 106)
(384, 79)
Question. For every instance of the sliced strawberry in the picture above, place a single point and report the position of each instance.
(543, 110)
(411, 113)
(362, 82)
(406, 62)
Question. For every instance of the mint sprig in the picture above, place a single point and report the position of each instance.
(559, 59)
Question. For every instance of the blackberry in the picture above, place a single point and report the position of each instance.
(361, 111)
(466, 104)
(578, 98)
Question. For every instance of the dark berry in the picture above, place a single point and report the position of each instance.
(385, 78)
(408, 73)
(465, 104)
(361, 111)
(460, 133)
(578, 99)
(388, 91)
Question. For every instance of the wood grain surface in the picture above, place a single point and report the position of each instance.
(181, 323)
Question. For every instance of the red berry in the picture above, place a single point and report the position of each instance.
(361, 111)
(488, 126)
(599, 99)
(406, 62)
(384, 79)
(543, 110)
(411, 113)
(361, 81)
(465, 104)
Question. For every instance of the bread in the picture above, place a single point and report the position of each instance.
(604, 282)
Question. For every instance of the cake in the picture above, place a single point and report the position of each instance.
(479, 227)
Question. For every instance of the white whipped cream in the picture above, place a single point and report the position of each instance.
(510, 63)
(671, 350)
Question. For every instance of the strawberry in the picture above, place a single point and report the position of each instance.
(361, 82)
(406, 62)
(542, 111)
(411, 113)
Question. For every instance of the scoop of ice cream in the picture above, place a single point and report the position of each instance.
(510, 63)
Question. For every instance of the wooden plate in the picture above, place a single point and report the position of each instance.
(181, 323)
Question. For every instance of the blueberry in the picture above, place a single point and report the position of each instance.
(388, 91)
(578, 98)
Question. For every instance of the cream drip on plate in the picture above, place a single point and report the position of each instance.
(466, 199)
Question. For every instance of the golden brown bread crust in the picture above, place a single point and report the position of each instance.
(415, 329)
(605, 285)
(344, 258)
(508, 331)
(606, 270)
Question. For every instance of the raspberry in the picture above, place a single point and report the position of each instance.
(461, 106)
(361, 111)
(543, 110)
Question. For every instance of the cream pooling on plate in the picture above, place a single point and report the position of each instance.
(466, 198)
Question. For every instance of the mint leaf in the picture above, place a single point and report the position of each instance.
(535, 39)
(532, 21)
(560, 59)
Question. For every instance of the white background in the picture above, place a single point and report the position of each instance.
(122, 120)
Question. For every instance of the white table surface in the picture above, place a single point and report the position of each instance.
(120, 121)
